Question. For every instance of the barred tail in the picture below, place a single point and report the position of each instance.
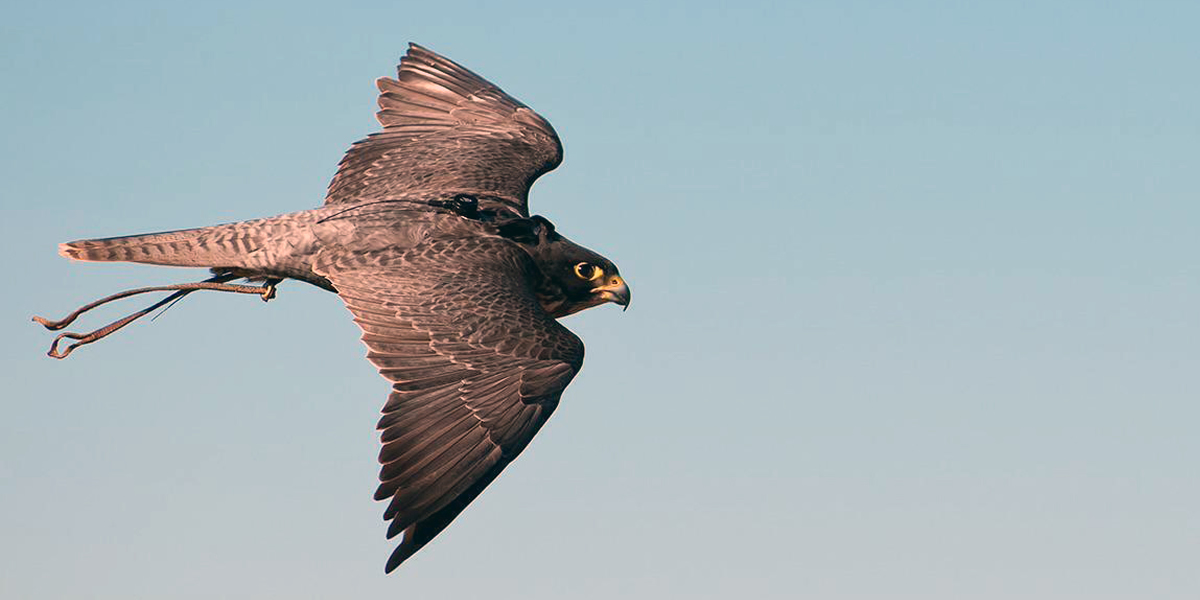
(219, 246)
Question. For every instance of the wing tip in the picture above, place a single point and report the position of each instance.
(384, 84)
(402, 552)
(391, 565)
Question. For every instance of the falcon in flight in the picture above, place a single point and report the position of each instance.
(426, 235)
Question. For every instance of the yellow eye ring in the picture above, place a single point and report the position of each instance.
(588, 271)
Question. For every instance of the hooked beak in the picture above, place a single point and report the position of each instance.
(614, 291)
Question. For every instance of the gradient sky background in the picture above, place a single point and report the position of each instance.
(916, 303)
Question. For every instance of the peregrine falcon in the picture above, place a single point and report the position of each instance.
(426, 236)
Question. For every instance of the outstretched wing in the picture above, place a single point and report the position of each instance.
(447, 130)
(476, 368)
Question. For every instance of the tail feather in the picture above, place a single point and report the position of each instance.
(218, 246)
(277, 246)
(165, 248)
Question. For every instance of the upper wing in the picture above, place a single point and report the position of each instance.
(447, 130)
(476, 368)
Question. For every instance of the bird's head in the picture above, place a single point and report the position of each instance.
(588, 279)
(575, 277)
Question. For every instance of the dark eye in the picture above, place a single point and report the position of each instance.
(588, 271)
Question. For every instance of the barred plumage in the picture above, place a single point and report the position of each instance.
(426, 237)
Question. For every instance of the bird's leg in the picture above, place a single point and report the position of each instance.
(268, 288)
(217, 283)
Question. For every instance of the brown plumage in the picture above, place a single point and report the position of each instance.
(426, 236)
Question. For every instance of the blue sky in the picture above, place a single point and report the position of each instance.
(915, 310)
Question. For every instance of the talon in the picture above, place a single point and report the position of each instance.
(268, 289)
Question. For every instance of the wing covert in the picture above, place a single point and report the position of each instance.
(447, 130)
(476, 368)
